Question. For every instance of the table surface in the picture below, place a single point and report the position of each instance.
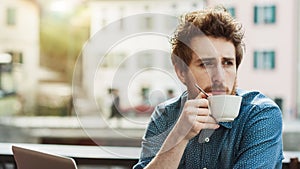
(94, 154)
(77, 151)
(83, 155)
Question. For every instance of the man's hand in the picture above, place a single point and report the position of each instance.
(194, 117)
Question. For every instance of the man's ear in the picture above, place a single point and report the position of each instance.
(181, 74)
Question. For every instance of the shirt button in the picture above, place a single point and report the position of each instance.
(206, 139)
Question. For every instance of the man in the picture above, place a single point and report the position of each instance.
(207, 49)
(115, 105)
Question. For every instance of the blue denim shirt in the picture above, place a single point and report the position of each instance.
(252, 140)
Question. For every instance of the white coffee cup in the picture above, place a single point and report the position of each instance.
(224, 108)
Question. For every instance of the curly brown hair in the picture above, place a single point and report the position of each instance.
(215, 22)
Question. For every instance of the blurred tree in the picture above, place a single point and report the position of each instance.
(61, 38)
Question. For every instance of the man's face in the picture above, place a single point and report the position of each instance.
(213, 66)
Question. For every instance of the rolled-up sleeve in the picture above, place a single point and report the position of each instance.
(155, 135)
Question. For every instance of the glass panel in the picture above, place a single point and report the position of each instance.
(258, 15)
(255, 14)
(272, 55)
(273, 13)
(269, 14)
(261, 60)
(264, 60)
(264, 14)
(267, 60)
(255, 64)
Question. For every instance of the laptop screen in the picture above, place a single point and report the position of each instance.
(32, 159)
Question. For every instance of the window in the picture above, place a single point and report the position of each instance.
(265, 14)
(114, 60)
(6, 76)
(264, 60)
(231, 10)
(195, 5)
(11, 16)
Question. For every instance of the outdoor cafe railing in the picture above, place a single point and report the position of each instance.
(125, 157)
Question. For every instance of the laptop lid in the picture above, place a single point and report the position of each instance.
(31, 159)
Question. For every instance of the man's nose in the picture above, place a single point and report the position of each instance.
(217, 73)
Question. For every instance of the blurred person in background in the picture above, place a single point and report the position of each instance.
(170, 93)
(115, 109)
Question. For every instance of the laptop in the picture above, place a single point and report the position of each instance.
(31, 159)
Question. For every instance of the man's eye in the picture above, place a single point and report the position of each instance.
(205, 64)
(228, 63)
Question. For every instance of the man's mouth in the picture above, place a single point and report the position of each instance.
(218, 92)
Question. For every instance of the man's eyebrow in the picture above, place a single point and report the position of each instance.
(205, 59)
(228, 58)
(199, 59)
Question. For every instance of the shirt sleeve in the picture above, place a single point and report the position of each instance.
(261, 144)
(154, 137)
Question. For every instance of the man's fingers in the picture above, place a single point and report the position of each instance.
(198, 111)
(201, 96)
(209, 126)
(206, 122)
(197, 103)
(206, 119)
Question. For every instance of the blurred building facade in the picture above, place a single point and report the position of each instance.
(269, 65)
(19, 37)
(132, 49)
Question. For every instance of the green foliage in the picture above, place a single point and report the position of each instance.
(61, 40)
